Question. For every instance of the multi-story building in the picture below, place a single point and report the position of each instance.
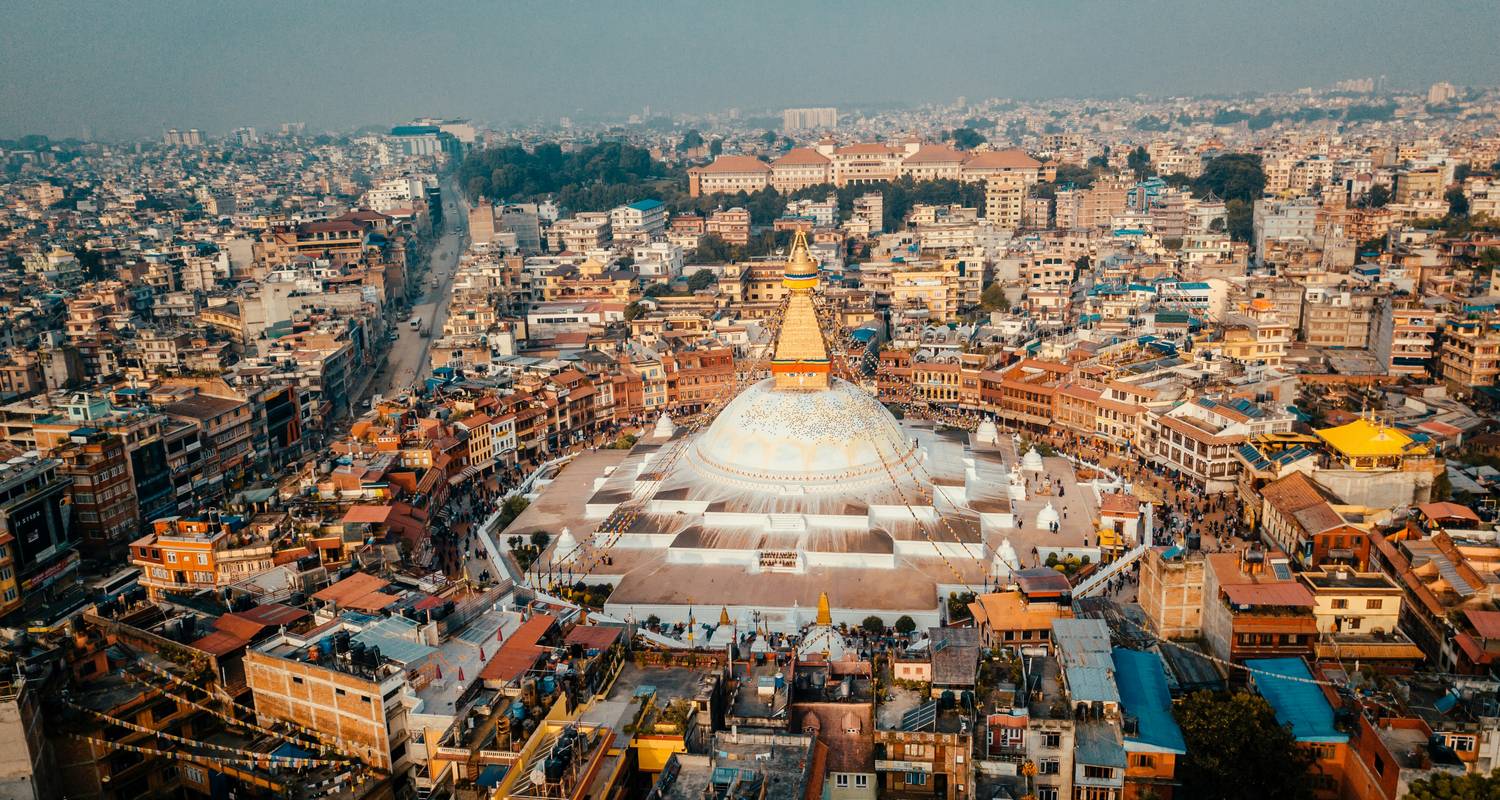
(1274, 220)
(183, 555)
(1005, 201)
(799, 168)
(355, 694)
(1301, 518)
(1171, 591)
(27, 771)
(38, 545)
(1404, 338)
(1338, 318)
(1254, 608)
(942, 288)
(641, 221)
(732, 175)
(1470, 354)
(102, 495)
(1418, 184)
(1197, 439)
(802, 119)
(732, 225)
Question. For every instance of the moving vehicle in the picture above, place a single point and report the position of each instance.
(415, 323)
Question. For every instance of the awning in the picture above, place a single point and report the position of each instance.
(472, 471)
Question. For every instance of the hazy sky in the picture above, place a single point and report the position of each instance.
(135, 68)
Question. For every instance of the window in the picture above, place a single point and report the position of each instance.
(1052, 739)
(171, 558)
(1374, 602)
(203, 559)
(1047, 766)
(1046, 793)
(1354, 623)
(296, 680)
(1340, 602)
(1098, 773)
(1142, 760)
(916, 779)
(841, 781)
(1463, 744)
(916, 751)
(861, 781)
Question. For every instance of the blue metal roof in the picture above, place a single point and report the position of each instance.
(1296, 703)
(645, 205)
(1144, 695)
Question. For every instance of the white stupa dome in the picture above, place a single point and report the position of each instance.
(1032, 461)
(1047, 517)
(563, 550)
(987, 433)
(838, 439)
(1005, 561)
(664, 427)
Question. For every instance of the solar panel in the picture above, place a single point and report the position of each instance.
(920, 717)
(1283, 571)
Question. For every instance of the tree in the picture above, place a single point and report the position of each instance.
(716, 147)
(1377, 197)
(539, 539)
(769, 138)
(690, 141)
(1237, 751)
(1458, 202)
(1232, 176)
(967, 138)
(1140, 162)
(700, 280)
(1447, 786)
(873, 624)
(634, 311)
(905, 625)
(994, 298)
(511, 509)
(1241, 219)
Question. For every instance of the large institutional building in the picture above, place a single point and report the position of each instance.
(805, 483)
(864, 162)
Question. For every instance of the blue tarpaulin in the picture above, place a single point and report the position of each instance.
(1296, 702)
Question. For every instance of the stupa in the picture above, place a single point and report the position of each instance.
(804, 484)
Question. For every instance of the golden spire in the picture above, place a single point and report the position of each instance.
(801, 358)
(825, 615)
(724, 616)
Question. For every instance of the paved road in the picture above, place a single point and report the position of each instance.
(406, 363)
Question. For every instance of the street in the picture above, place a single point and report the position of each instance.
(406, 363)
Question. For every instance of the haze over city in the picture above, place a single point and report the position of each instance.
(134, 69)
(761, 401)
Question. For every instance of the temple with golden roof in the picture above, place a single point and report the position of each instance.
(1367, 444)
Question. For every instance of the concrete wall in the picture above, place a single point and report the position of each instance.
(1377, 489)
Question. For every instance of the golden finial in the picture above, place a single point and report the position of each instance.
(825, 614)
(724, 616)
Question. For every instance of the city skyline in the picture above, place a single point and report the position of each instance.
(217, 68)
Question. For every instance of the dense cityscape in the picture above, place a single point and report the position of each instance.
(986, 449)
